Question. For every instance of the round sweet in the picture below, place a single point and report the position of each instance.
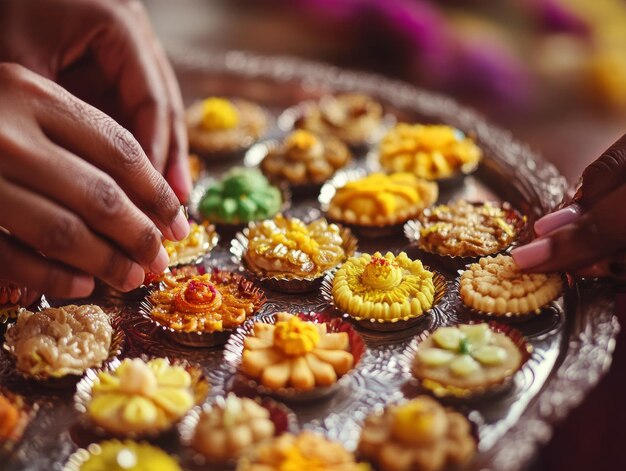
(304, 157)
(382, 200)
(140, 397)
(56, 342)
(287, 247)
(467, 357)
(428, 151)
(295, 353)
(385, 288)
(462, 229)
(353, 118)
(199, 242)
(9, 417)
(226, 431)
(306, 451)
(205, 303)
(496, 286)
(114, 455)
(243, 195)
(418, 435)
(218, 125)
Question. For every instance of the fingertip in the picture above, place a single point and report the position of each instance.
(81, 286)
(553, 221)
(533, 254)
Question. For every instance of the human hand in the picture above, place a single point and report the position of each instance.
(587, 237)
(79, 196)
(105, 52)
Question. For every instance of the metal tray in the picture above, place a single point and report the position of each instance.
(572, 343)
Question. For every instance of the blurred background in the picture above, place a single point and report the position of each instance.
(552, 71)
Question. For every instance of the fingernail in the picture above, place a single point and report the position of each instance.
(159, 264)
(533, 254)
(180, 226)
(81, 287)
(134, 279)
(553, 221)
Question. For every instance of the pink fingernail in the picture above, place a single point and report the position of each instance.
(553, 221)
(180, 226)
(533, 254)
(159, 264)
(134, 279)
(82, 286)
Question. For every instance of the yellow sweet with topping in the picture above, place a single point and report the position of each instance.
(140, 397)
(301, 139)
(429, 151)
(385, 288)
(295, 336)
(380, 200)
(418, 422)
(113, 455)
(200, 240)
(219, 113)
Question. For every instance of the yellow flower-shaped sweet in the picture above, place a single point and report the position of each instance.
(140, 397)
(219, 113)
(428, 151)
(295, 353)
(385, 288)
(380, 200)
(287, 247)
(114, 455)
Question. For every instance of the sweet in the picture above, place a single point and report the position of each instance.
(305, 451)
(114, 455)
(468, 357)
(141, 397)
(62, 341)
(289, 248)
(304, 157)
(351, 117)
(218, 125)
(419, 435)
(201, 239)
(213, 302)
(462, 229)
(195, 167)
(382, 200)
(295, 353)
(243, 195)
(9, 416)
(432, 152)
(496, 286)
(384, 288)
(226, 431)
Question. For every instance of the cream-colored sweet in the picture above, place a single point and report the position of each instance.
(385, 288)
(198, 243)
(56, 342)
(496, 286)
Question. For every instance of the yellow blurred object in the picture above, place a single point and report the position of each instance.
(219, 114)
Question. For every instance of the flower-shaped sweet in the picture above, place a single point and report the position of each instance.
(295, 353)
(114, 455)
(429, 151)
(496, 286)
(382, 200)
(219, 125)
(419, 435)
(353, 118)
(211, 302)
(201, 239)
(243, 195)
(468, 230)
(305, 451)
(226, 431)
(141, 397)
(305, 158)
(385, 288)
(289, 248)
(466, 356)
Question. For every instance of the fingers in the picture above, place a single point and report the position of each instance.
(553, 221)
(24, 266)
(595, 235)
(62, 236)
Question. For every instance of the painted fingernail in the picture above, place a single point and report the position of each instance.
(81, 287)
(159, 264)
(553, 221)
(533, 254)
(134, 279)
(180, 226)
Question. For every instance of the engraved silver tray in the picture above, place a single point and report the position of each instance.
(573, 341)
